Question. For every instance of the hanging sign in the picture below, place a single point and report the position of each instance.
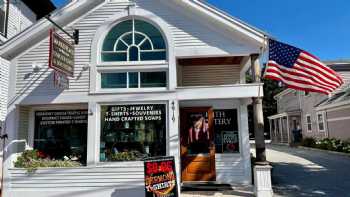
(60, 80)
(61, 56)
(160, 177)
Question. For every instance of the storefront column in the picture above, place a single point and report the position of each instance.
(93, 136)
(244, 127)
(174, 134)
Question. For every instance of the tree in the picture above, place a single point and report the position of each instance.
(271, 88)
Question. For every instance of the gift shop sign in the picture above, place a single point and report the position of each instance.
(160, 177)
(61, 56)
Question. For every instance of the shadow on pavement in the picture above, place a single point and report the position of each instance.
(322, 175)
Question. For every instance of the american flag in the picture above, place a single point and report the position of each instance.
(300, 70)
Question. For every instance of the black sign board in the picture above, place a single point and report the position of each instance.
(226, 131)
(160, 177)
(54, 118)
(61, 54)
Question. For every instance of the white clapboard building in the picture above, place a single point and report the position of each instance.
(151, 78)
(15, 17)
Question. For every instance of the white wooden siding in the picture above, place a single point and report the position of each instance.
(27, 17)
(4, 76)
(187, 32)
(206, 75)
(84, 181)
(20, 17)
(24, 123)
(346, 77)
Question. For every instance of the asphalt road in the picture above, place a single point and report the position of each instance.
(299, 172)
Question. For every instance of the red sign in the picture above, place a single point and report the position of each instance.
(160, 177)
(60, 80)
(61, 57)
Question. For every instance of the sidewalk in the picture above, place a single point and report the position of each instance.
(244, 191)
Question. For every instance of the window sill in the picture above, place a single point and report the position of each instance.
(120, 164)
(130, 91)
(136, 63)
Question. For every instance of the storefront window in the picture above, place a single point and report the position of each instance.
(132, 132)
(226, 131)
(61, 134)
(134, 80)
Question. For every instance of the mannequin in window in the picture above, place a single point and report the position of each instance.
(198, 135)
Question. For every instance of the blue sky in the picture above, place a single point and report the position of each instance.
(321, 27)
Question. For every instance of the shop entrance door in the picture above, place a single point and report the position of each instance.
(197, 145)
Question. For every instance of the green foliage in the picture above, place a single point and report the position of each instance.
(271, 88)
(308, 142)
(330, 144)
(124, 156)
(31, 161)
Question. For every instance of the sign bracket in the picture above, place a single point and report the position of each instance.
(75, 35)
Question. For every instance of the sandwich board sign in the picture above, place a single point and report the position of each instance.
(160, 177)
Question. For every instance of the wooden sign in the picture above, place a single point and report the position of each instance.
(60, 80)
(160, 177)
(61, 56)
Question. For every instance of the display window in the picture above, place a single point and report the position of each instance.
(61, 135)
(132, 132)
(226, 131)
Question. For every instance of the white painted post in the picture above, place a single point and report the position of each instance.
(92, 136)
(174, 135)
(262, 181)
(288, 131)
(244, 135)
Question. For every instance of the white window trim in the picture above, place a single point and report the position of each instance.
(98, 131)
(323, 121)
(133, 44)
(32, 110)
(95, 62)
(307, 123)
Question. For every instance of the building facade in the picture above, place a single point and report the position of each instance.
(307, 111)
(335, 110)
(151, 78)
(15, 17)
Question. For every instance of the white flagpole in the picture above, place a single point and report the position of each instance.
(266, 48)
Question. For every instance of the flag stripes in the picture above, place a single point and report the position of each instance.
(300, 70)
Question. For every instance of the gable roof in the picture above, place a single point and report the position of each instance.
(76, 9)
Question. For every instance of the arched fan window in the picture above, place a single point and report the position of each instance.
(133, 40)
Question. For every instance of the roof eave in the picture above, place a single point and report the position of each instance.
(255, 34)
(40, 29)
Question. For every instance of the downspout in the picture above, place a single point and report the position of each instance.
(301, 113)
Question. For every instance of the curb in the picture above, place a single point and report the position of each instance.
(325, 151)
